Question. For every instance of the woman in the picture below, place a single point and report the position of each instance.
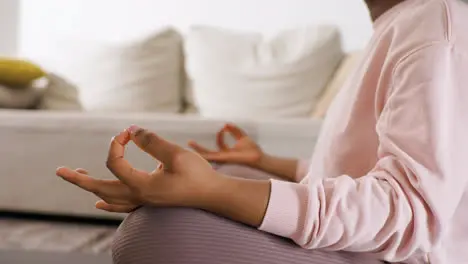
(388, 178)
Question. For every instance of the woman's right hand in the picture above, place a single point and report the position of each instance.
(244, 151)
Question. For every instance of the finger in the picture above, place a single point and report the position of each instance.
(199, 148)
(82, 171)
(82, 180)
(118, 143)
(120, 167)
(115, 208)
(154, 145)
(235, 131)
(220, 139)
(159, 169)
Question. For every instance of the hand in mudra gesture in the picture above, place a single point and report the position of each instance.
(184, 178)
(244, 151)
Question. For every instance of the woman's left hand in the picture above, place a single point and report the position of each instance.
(184, 179)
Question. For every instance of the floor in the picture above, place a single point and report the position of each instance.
(36, 257)
(29, 239)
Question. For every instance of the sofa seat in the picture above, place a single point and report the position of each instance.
(35, 143)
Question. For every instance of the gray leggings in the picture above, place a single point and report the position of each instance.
(190, 236)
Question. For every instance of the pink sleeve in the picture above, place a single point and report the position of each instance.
(401, 207)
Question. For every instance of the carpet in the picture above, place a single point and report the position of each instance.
(50, 236)
(22, 257)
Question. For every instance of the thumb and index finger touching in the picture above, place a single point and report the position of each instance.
(224, 153)
(232, 130)
(229, 128)
(154, 145)
(159, 149)
(149, 142)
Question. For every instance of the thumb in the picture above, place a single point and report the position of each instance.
(154, 145)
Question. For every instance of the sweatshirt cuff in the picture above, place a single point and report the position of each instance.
(286, 209)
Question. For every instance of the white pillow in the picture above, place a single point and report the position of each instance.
(143, 75)
(59, 94)
(24, 98)
(245, 75)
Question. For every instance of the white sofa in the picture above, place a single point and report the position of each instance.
(35, 143)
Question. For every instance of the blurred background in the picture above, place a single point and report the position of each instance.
(74, 73)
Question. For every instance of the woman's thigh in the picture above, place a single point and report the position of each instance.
(190, 236)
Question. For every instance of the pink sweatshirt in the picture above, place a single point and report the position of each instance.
(389, 173)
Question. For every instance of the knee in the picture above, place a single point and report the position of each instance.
(183, 235)
(137, 229)
(140, 231)
(149, 234)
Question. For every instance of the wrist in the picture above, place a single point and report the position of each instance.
(238, 199)
(282, 167)
(262, 162)
(212, 192)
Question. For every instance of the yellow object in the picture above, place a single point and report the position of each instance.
(18, 73)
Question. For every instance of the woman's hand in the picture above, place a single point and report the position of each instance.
(244, 151)
(184, 179)
(116, 196)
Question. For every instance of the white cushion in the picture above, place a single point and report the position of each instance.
(341, 76)
(142, 75)
(24, 98)
(244, 75)
(60, 94)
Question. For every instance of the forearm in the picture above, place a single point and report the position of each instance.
(282, 167)
(241, 200)
(373, 203)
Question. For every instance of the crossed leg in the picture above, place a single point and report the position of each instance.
(191, 236)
